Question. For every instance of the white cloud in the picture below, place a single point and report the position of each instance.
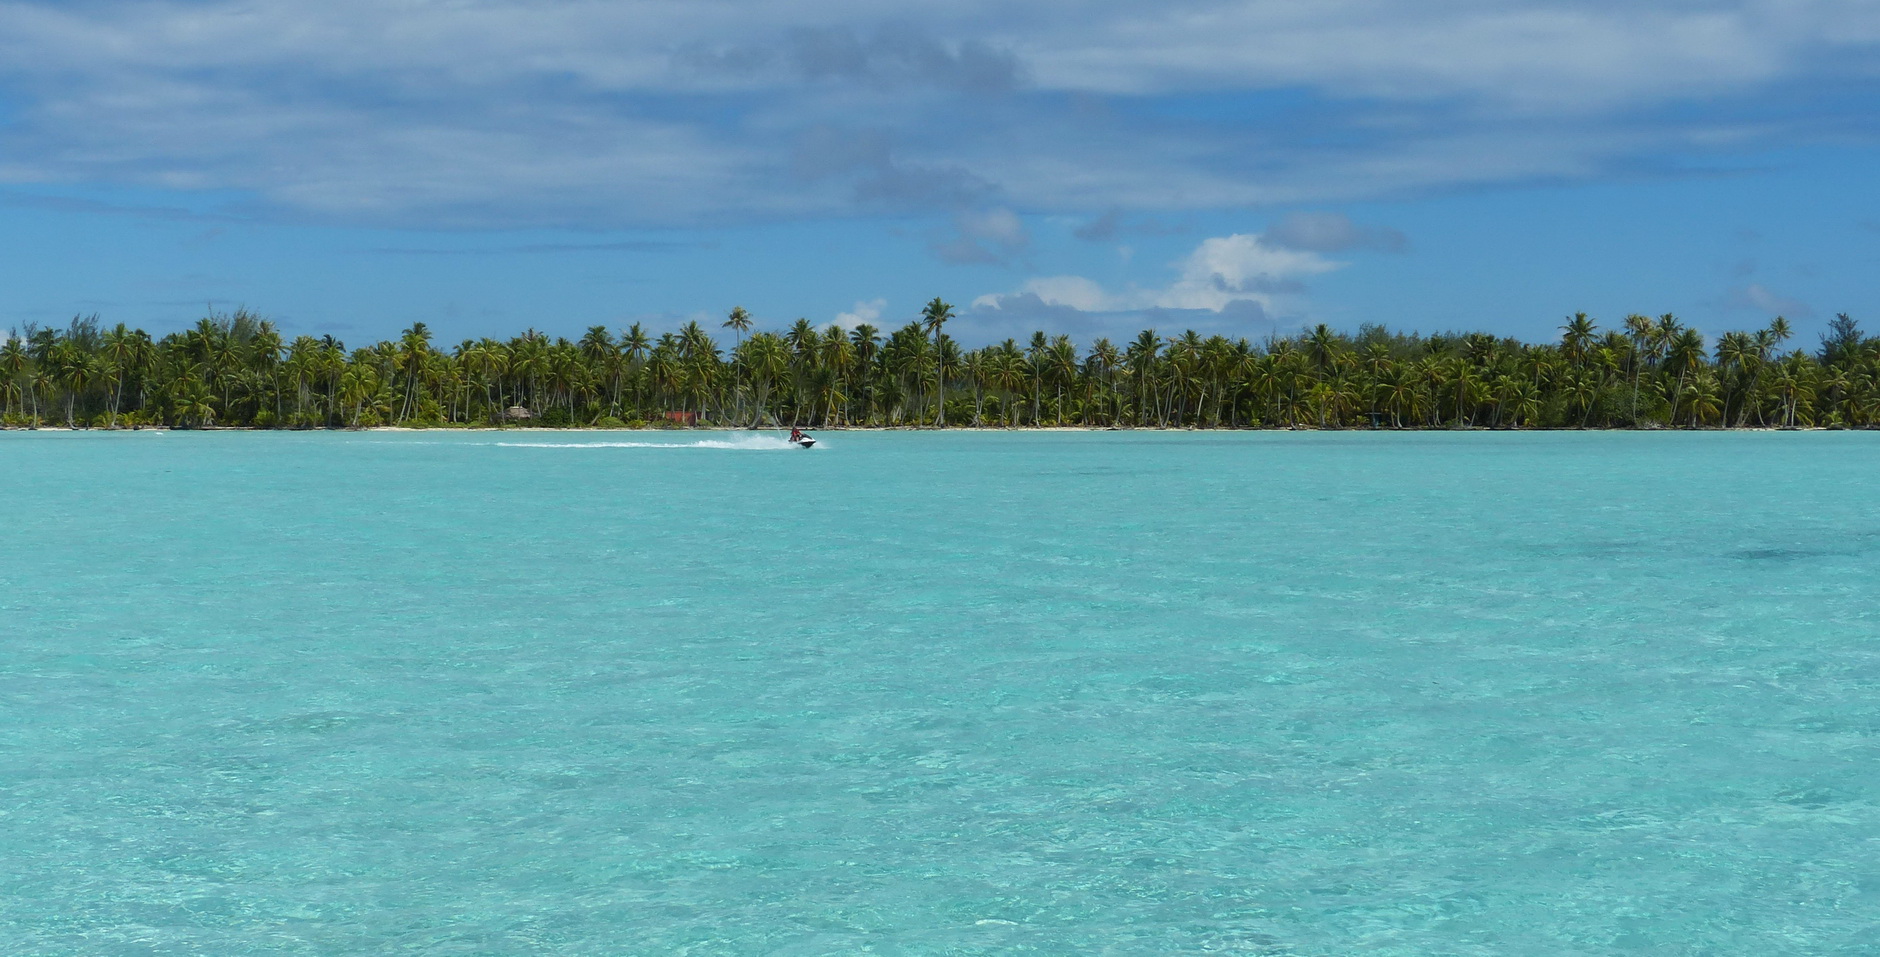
(1073, 291)
(868, 311)
(588, 112)
(1226, 268)
(1218, 274)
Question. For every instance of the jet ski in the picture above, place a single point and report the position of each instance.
(801, 441)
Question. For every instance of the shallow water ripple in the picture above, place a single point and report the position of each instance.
(920, 694)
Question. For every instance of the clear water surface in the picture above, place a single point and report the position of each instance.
(448, 693)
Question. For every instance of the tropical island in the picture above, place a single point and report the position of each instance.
(237, 370)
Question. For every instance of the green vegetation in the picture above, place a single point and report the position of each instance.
(238, 371)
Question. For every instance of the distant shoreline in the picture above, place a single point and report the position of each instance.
(694, 430)
(240, 371)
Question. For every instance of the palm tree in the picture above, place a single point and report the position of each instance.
(768, 359)
(838, 363)
(1794, 387)
(978, 363)
(414, 345)
(1779, 330)
(1735, 356)
(192, 405)
(237, 367)
(1141, 357)
(264, 359)
(1643, 332)
(1035, 360)
(635, 345)
(802, 339)
(72, 368)
(14, 362)
(1705, 399)
(1399, 393)
(739, 322)
(1009, 375)
(866, 340)
(935, 315)
(603, 361)
(1321, 345)
(1684, 354)
(1575, 336)
(119, 354)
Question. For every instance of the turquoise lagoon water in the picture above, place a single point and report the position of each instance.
(940, 694)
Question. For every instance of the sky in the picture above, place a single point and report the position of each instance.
(1247, 168)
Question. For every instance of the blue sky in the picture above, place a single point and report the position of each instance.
(487, 166)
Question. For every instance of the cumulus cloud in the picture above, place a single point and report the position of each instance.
(864, 311)
(1017, 314)
(1225, 282)
(1074, 292)
(1228, 269)
(635, 112)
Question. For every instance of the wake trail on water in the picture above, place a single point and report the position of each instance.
(747, 443)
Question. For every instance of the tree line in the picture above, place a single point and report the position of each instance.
(238, 370)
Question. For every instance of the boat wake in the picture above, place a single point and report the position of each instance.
(744, 443)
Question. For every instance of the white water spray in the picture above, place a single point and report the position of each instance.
(743, 443)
